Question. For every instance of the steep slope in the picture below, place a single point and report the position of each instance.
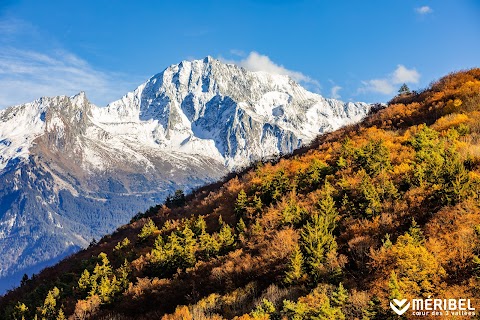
(71, 171)
(74, 187)
(220, 110)
(388, 208)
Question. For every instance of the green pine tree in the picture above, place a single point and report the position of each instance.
(317, 242)
(48, 309)
(84, 281)
(394, 287)
(209, 245)
(199, 226)
(61, 315)
(148, 229)
(339, 296)
(241, 226)
(241, 203)
(404, 89)
(226, 238)
(189, 248)
(295, 270)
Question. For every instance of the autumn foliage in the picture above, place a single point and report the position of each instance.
(387, 209)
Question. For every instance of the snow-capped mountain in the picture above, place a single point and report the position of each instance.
(71, 171)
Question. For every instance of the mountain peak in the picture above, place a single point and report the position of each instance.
(209, 59)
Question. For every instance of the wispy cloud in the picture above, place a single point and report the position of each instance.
(334, 92)
(387, 85)
(423, 10)
(238, 53)
(259, 62)
(27, 74)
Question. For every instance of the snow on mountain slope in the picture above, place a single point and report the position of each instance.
(225, 112)
(71, 171)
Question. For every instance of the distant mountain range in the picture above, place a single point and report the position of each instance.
(71, 171)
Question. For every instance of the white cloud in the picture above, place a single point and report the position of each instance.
(404, 75)
(259, 62)
(334, 92)
(388, 84)
(378, 85)
(26, 75)
(423, 10)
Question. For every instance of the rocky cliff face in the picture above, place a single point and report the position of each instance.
(71, 171)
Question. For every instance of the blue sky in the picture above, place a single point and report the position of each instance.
(352, 50)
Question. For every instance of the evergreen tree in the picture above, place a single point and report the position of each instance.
(404, 89)
(177, 200)
(241, 226)
(24, 279)
(416, 233)
(263, 310)
(148, 229)
(257, 204)
(20, 311)
(84, 281)
(123, 272)
(327, 206)
(61, 315)
(189, 248)
(122, 244)
(226, 238)
(101, 270)
(394, 287)
(48, 309)
(209, 245)
(199, 226)
(292, 214)
(295, 267)
(339, 296)
(317, 242)
(241, 203)
(371, 204)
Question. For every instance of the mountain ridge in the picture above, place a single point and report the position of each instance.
(76, 168)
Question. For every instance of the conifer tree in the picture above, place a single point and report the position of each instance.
(48, 309)
(189, 247)
(122, 244)
(199, 226)
(339, 296)
(317, 242)
(21, 310)
(404, 89)
(257, 204)
(123, 272)
(327, 207)
(84, 281)
(416, 233)
(393, 287)
(61, 315)
(241, 226)
(295, 267)
(241, 203)
(209, 245)
(148, 229)
(226, 238)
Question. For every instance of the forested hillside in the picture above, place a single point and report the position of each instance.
(388, 208)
